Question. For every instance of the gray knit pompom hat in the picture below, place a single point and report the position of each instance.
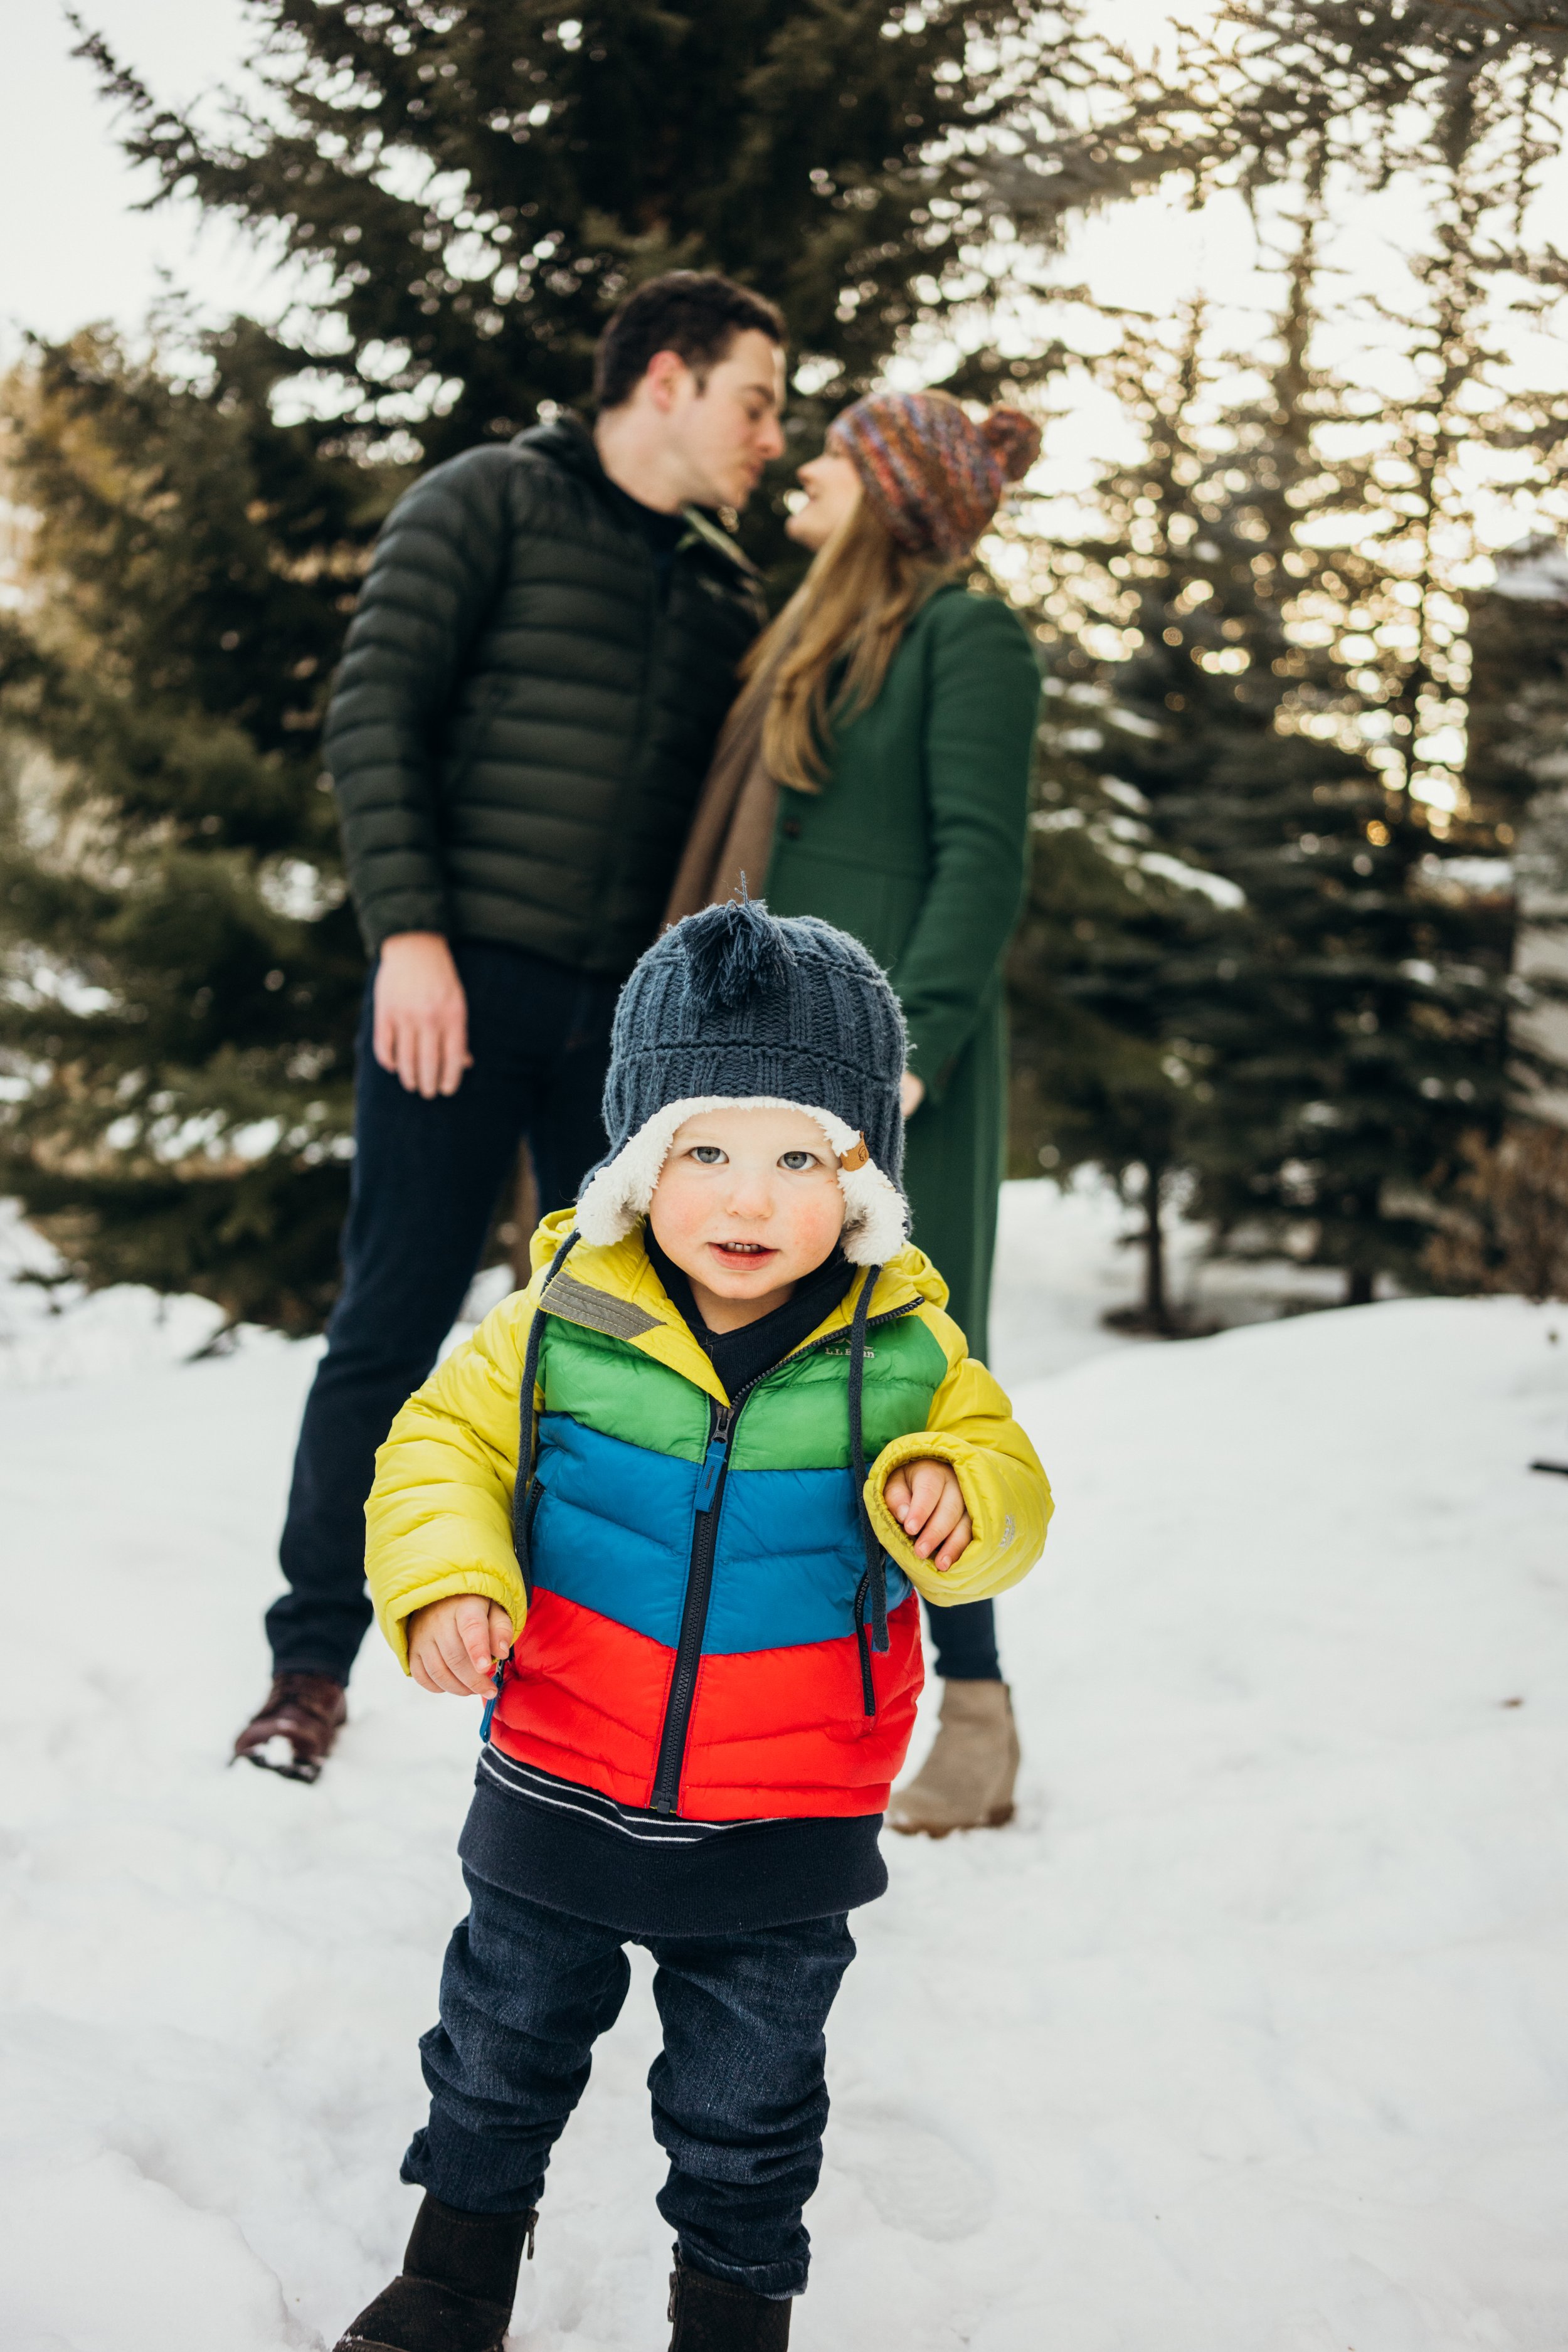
(738, 1006)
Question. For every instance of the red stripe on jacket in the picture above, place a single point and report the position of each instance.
(772, 1733)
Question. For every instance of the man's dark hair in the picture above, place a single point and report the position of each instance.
(695, 314)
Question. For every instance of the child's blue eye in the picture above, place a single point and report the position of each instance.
(795, 1161)
(706, 1155)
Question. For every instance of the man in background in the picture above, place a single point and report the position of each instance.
(543, 653)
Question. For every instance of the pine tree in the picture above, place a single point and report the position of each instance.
(1269, 93)
(477, 183)
(474, 187)
(181, 970)
(1101, 1074)
(1368, 1004)
(1435, 83)
(1348, 1026)
(1443, 1052)
(1517, 701)
(1516, 723)
(1173, 618)
(1113, 976)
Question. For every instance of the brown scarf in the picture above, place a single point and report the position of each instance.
(731, 834)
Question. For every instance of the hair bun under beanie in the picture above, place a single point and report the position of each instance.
(935, 476)
(736, 1006)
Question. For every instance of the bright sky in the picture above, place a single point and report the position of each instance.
(73, 249)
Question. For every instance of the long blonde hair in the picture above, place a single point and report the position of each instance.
(853, 606)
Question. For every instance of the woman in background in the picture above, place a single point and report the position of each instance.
(896, 710)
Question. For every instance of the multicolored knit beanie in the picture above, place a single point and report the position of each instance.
(935, 476)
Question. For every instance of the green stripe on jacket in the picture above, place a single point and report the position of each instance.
(796, 1421)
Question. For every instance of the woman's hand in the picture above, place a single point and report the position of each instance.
(911, 1093)
(455, 1645)
(926, 1501)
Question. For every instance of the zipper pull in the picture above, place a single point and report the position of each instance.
(713, 1459)
(498, 1678)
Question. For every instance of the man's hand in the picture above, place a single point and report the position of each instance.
(421, 1014)
(926, 1501)
(456, 1645)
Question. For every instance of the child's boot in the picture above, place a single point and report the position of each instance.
(966, 1781)
(714, 2314)
(456, 2286)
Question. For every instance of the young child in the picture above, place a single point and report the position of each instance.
(747, 1435)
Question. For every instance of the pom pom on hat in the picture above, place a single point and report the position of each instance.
(1015, 439)
(732, 953)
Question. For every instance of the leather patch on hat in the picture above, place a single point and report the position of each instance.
(857, 1155)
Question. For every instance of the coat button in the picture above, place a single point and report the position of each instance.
(791, 828)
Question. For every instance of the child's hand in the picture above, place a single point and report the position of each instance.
(456, 1645)
(926, 1501)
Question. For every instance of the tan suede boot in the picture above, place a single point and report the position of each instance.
(966, 1781)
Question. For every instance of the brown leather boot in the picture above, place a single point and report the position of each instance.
(966, 1781)
(293, 1730)
(714, 2314)
(456, 2286)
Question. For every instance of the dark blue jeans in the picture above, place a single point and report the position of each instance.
(963, 1643)
(427, 1176)
(739, 2099)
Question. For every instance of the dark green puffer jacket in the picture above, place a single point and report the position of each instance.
(522, 719)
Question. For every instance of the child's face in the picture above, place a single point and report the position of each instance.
(749, 1201)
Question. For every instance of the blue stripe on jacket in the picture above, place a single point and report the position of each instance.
(591, 1544)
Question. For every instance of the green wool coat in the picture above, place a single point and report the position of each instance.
(916, 844)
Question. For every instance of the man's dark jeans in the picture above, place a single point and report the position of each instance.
(425, 1180)
(739, 2100)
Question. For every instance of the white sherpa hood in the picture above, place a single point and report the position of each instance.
(876, 1216)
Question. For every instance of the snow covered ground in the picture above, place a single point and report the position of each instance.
(1250, 2036)
(53, 1330)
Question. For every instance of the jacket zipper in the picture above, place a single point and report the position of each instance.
(700, 1571)
(694, 1610)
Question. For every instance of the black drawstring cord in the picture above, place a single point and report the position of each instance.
(874, 1583)
(528, 1419)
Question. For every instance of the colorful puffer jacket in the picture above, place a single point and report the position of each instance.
(714, 1629)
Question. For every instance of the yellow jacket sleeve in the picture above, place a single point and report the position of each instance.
(438, 1520)
(1006, 1492)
